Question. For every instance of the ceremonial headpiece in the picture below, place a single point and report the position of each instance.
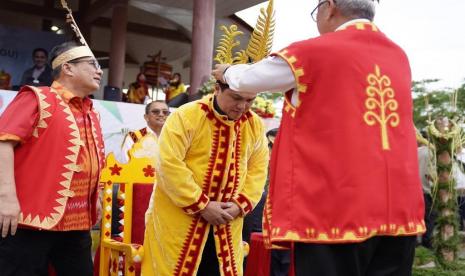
(76, 52)
(259, 45)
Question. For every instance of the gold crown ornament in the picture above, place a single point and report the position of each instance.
(76, 52)
(259, 45)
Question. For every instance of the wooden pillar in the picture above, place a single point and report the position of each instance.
(203, 25)
(117, 50)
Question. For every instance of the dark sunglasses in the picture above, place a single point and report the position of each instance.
(160, 112)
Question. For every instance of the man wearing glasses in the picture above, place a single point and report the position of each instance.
(51, 154)
(155, 115)
(347, 139)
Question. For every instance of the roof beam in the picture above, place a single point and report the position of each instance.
(55, 13)
(24, 8)
(239, 21)
(97, 9)
(147, 30)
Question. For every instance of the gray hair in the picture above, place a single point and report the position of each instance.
(357, 8)
(58, 50)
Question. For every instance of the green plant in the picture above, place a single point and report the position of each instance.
(430, 103)
(208, 87)
(444, 134)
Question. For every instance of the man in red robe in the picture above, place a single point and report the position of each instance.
(344, 182)
(51, 154)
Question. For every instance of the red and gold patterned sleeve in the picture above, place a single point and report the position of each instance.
(19, 119)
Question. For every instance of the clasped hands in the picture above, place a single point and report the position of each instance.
(217, 213)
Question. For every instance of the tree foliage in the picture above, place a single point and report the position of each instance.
(430, 103)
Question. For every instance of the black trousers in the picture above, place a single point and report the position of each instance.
(430, 218)
(209, 265)
(280, 262)
(378, 256)
(30, 252)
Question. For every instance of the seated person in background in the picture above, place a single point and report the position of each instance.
(138, 90)
(155, 115)
(40, 74)
(5, 79)
(176, 91)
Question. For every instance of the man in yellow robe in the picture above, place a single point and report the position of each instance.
(211, 172)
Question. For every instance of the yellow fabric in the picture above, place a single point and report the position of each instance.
(192, 143)
(172, 92)
(137, 93)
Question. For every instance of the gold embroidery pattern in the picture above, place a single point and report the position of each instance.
(298, 74)
(381, 97)
(361, 26)
(53, 218)
(44, 114)
(336, 235)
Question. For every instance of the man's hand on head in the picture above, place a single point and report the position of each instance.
(218, 72)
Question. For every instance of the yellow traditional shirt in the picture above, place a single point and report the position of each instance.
(203, 156)
(172, 91)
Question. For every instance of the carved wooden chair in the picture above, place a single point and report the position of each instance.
(126, 193)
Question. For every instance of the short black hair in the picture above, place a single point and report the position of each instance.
(223, 86)
(272, 132)
(58, 50)
(147, 107)
(39, 50)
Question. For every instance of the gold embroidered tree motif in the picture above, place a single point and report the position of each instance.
(381, 105)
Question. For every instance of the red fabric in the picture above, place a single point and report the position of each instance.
(19, 118)
(40, 150)
(141, 197)
(77, 215)
(51, 270)
(258, 260)
(331, 180)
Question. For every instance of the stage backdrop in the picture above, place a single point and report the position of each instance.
(116, 119)
(16, 46)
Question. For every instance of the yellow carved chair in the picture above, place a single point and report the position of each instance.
(126, 194)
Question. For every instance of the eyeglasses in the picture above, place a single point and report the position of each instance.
(160, 112)
(92, 62)
(314, 13)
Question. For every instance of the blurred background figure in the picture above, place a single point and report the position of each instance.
(5, 80)
(40, 74)
(425, 167)
(155, 115)
(138, 90)
(176, 91)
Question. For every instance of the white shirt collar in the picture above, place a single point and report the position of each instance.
(353, 21)
(149, 130)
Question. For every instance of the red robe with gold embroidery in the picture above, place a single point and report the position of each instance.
(48, 163)
(344, 165)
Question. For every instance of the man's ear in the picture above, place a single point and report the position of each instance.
(217, 89)
(146, 117)
(67, 69)
(332, 10)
